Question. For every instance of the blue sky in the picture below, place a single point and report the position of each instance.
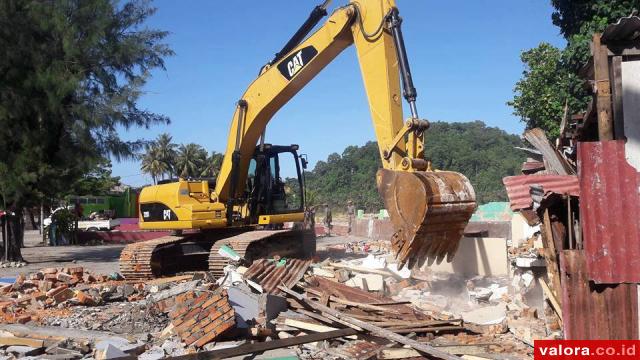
(464, 57)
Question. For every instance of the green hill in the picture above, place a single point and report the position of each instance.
(484, 154)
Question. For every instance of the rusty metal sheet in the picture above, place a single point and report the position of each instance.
(609, 208)
(359, 350)
(269, 274)
(591, 311)
(518, 187)
(532, 166)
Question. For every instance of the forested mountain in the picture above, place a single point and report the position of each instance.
(484, 154)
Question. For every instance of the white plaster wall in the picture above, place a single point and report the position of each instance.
(631, 110)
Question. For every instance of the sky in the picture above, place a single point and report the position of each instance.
(464, 57)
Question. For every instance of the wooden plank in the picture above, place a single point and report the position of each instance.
(603, 89)
(161, 281)
(264, 346)
(378, 331)
(365, 270)
(9, 340)
(552, 297)
(400, 353)
(550, 253)
(308, 326)
(369, 307)
(618, 113)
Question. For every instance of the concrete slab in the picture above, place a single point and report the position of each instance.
(477, 256)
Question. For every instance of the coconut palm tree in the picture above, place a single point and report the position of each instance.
(167, 152)
(152, 164)
(212, 166)
(190, 160)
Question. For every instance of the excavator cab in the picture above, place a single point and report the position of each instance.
(271, 190)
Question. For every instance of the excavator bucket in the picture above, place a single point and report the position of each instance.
(429, 211)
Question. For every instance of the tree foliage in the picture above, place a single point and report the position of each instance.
(546, 87)
(550, 78)
(162, 157)
(98, 181)
(484, 154)
(70, 76)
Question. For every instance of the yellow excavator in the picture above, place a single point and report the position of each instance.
(246, 206)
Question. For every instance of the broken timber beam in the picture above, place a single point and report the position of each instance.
(264, 346)
(378, 331)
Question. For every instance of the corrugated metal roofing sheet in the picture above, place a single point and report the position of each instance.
(591, 311)
(270, 274)
(626, 29)
(518, 187)
(532, 166)
(609, 212)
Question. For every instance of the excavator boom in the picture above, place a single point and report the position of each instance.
(429, 222)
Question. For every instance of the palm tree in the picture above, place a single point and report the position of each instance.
(212, 166)
(152, 163)
(190, 160)
(166, 152)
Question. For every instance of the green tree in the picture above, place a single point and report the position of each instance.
(543, 90)
(578, 20)
(191, 160)
(152, 163)
(166, 151)
(550, 78)
(70, 74)
(212, 166)
(98, 181)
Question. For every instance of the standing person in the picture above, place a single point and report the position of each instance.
(327, 219)
(351, 214)
(310, 218)
(78, 211)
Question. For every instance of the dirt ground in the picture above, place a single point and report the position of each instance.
(100, 259)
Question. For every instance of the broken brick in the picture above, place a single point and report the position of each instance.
(50, 271)
(36, 276)
(23, 319)
(64, 277)
(84, 299)
(63, 295)
(200, 321)
(56, 290)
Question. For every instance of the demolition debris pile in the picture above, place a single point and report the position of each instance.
(352, 302)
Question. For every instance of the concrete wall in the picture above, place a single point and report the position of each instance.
(373, 229)
(478, 256)
(521, 231)
(631, 110)
(475, 256)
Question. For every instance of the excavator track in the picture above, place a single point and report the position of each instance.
(136, 258)
(261, 244)
(199, 251)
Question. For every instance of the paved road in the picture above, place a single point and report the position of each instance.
(101, 259)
